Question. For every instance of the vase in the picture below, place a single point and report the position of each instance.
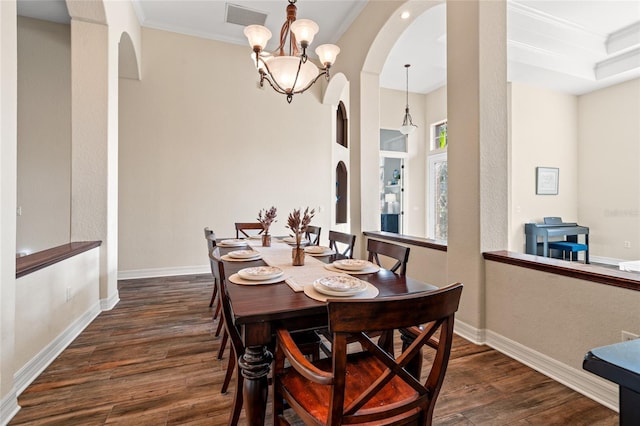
(297, 256)
(266, 240)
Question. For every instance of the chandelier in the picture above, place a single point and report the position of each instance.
(407, 124)
(291, 72)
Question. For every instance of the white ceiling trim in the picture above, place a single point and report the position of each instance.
(618, 64)
(540, 16)
(624, 38)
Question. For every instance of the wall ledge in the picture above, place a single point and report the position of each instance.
(407, 239)
(33, 262)
(594, 273)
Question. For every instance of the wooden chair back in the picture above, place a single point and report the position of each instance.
(210, 236)
(242, 227)
(237, 346)
(371, 386)
(393, 251)
(313, 235)
(347, 240)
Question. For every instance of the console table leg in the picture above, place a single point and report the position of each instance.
(255, 365)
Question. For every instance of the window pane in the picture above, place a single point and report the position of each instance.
(441, 201)
(392, 140)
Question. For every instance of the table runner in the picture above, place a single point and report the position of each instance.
(279, 254)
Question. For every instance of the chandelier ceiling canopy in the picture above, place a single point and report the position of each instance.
(288, 70)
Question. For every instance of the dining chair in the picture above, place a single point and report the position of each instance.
(313, 235)
(394, 251)
(210, 236)
(307, 341)
(237, 346)
(371, 386)
(242, 227)
(348, 240)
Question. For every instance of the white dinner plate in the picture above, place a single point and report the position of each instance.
(369, 293)
(339, 285)
(292, 240)
(351, 264)
(371, 269)
(236, 279)
(255, 237)
(260, 273)
(318, 250)
(235, 242)
(234, 259)
(243, 254)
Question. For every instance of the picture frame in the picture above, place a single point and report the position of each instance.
(547, 180)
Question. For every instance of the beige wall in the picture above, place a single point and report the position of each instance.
(392, 105)
(609, 172)
(8, 173)
(44, 134)
(68, 293)
(200, 146)
(543, 134)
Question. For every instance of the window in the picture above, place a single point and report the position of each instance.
(437, 197)
(439, 135)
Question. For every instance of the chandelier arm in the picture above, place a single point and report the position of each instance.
(274, 84)
(312, 82)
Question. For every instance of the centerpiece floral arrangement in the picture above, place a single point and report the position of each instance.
(266, 218)
(298, 223)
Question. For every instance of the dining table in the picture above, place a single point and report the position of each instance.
(259, 310)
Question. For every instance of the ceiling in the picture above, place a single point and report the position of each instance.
(572, 46)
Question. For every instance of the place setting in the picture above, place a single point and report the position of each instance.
(337, 286)
(258, 275)
(232, 242)
(353, 266)
(291, 240)
(319, 251)
(242, 256)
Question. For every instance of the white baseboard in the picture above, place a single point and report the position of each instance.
(163, 272)
(9, 407)
(111, 302)
(600, 390)
(472, 334)
(32, 369)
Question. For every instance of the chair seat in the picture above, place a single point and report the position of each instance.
(362, 370)
(567, 246)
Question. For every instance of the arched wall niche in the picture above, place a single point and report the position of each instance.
(127, 58)
(342, 183)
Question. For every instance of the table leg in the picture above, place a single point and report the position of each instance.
(415, 365)
(255, 365)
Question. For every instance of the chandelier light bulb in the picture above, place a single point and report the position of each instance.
(327, 53)
(304, 30)
(258, 36)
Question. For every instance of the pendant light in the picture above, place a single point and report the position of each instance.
(407, 124)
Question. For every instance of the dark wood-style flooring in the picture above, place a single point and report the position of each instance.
(151, 361)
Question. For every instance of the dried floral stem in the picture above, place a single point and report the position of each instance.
(299, 222)
(267, 217)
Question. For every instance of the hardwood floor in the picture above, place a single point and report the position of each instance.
(151, 361)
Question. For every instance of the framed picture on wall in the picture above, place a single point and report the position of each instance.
(547, 180)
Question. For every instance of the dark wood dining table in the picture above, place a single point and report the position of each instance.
(261, 309)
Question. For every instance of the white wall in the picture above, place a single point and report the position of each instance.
(543, 134)
(200, 146)
(53, 305)
(609, 169)
(44, 134)
(392, 106)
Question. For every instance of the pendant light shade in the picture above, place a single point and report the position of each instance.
(407, 123)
